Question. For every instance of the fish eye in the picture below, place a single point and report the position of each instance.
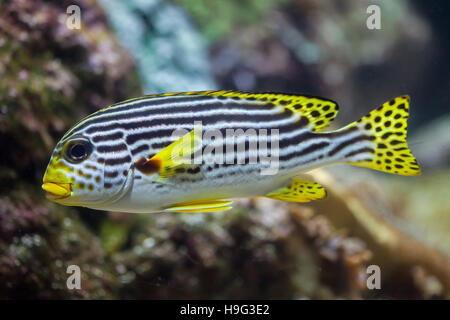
(77, 150)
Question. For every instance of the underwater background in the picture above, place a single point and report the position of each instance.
(52, 76)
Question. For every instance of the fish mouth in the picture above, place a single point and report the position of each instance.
(57, 191)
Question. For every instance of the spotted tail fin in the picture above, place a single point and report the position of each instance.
(386, 128)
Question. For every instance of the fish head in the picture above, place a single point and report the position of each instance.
(77, 174)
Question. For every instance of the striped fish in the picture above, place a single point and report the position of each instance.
(127, 158)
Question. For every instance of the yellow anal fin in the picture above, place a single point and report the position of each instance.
(299, 191)
(201, 206)
(174, 158)
(225, 208)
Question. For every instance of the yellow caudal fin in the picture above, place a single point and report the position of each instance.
(299, 190)
(386, 128)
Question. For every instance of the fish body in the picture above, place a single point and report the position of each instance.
(194, 151)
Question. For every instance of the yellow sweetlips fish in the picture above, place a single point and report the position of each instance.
(194, 151)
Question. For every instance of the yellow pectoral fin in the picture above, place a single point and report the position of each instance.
(173, 158)
(299, 191)
(201, 206)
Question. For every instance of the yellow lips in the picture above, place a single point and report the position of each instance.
(57, 190)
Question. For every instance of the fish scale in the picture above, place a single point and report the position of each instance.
(132, 167)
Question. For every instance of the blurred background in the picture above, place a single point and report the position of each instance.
(51, 76)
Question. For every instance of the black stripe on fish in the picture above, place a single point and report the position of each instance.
(142, 147)
(152, 102)
(180, 121)
(182, 109)
(134, 104)
(117, 161)
(112, 148)
(108, 137)
(310, 149)
(350, 142)
(359, 151)
(132, 138)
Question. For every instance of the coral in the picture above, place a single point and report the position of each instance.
(38, 243)
(50, 75)
(259, 250)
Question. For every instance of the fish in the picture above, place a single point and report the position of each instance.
(127, 157)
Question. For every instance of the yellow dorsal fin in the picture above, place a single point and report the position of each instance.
(172, 158)
(316, 112)
(299, 191)
(201, 206)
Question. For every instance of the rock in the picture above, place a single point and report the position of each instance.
(262, 250)
(51, 75)
(38, 243)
